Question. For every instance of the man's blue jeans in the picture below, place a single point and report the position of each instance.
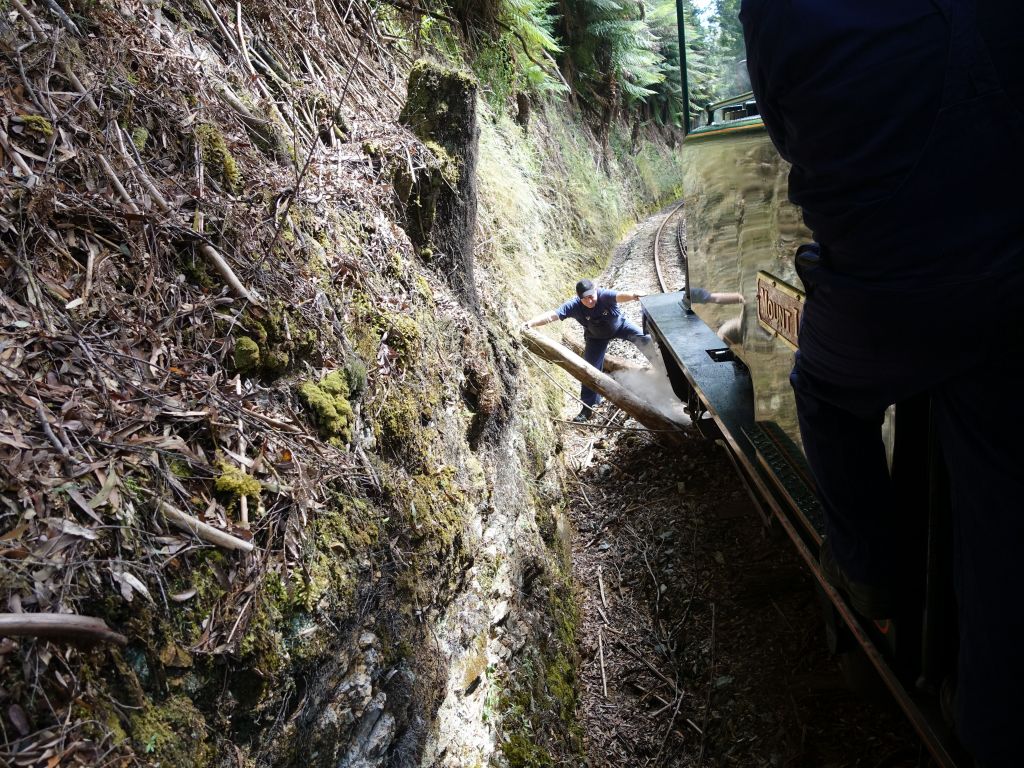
(594, 351)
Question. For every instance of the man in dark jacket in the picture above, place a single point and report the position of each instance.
(597, 310)
(904, 126)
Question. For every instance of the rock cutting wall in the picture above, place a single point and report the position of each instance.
(269, 433)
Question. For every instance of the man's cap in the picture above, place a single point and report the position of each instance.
(586, 287)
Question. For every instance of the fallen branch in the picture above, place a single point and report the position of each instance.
(262, 131)
(203, 531)
(118, 186)
(59, 626)
(612, 363)
(603, 384)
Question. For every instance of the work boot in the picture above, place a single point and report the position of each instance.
(584, 415)
(869, 600)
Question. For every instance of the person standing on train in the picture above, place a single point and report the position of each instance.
(903, 123)
(597, 310)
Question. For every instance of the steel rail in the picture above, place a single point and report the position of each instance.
(657, 243)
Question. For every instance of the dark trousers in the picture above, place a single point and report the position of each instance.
(850, 369)
(594, 350)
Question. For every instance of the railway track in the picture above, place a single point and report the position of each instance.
(671, 271)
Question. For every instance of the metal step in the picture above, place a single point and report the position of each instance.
(786, 466)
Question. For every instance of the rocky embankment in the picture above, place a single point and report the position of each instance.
(276, 487)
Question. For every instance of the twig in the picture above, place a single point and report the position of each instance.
(81, 89)
(59, 626)
(64, 19)
(661, 676)
(48, 431)
(305, 166)
(711, 682)
(118, 186)
(241, 37)
(90, 265)
(600, 586)
(221, 25)
(271, 421)
(600, 648)
(30, 18)
(15, 155)
(669, 731)
(200, 529)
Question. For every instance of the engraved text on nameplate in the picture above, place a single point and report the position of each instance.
(779, 306)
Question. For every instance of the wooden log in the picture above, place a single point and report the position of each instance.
(603, 384)
(612, 363)
(59, 626)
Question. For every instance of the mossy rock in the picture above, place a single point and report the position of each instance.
(196, 271)
(400, 426)
(205, 571)
(404, 335)
(343, 533)
(267, 349)
(538, 708)
(522, 751)
(355, 375)
(436, 99)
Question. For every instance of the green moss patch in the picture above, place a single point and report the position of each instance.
(247, 354)
(328, 402)
(217, 158)
(172, 733)
(343, 534)
(139, 137)
(538, 706)
(37, 123)
(236, 483)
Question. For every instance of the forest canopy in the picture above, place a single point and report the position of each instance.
(614, 56)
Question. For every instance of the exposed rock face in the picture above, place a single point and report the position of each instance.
(441, 214)
(371, 428)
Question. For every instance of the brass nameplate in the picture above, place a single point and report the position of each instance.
(779, 307)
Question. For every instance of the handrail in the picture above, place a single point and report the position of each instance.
(737, 99)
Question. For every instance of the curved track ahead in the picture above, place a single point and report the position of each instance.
(664, 271)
